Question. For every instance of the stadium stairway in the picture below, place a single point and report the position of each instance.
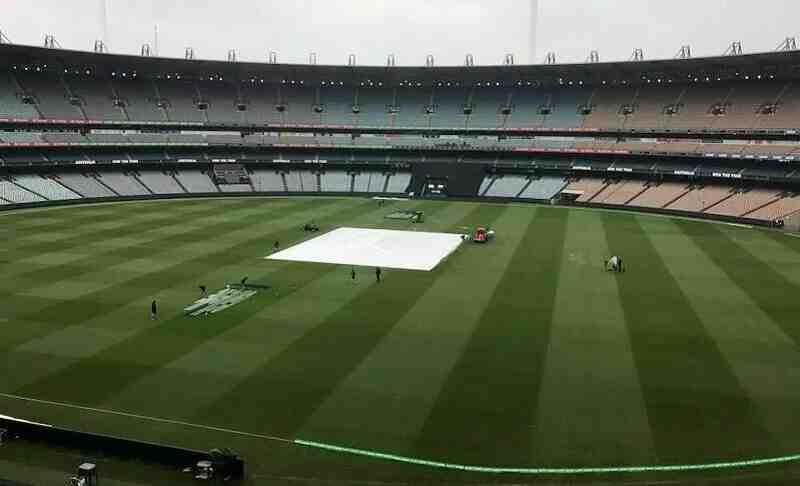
(605, 186)
(762, 206)
(645, 188)
(139, 180)
(35, 193)
(721, 201)
(524, 188)
(99, 181)
(678, 198)
(488, 186)
(174, 176)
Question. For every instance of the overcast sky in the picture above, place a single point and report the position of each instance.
(411, 29)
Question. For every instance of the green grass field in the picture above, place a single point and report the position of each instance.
(522, 353)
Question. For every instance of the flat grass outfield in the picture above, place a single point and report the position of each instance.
(521, 353)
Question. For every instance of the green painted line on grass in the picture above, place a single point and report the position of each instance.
(424, 462)
(544, 470)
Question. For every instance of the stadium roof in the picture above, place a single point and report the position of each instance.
(780, 65)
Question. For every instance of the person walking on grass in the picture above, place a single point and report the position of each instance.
(378, 272)
(353, 274)
(153, 311)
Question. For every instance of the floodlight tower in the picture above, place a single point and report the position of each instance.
(104, 21)
(534, 22)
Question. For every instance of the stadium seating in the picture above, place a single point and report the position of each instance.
(21, 137)
(160, 183)
(607, 105)
(449, 105)
(741, 103)
(96, 98)
(293, 182)
(526, 104)
(235, 188)
(267, 181)
(181, 97)
(650, 104)
(338, 105)
(140, 99)
(506, 186)
(744, 201)
(63, 138)
(220, 102)
(588, 187)
(45, 187)
(660, 195)
(701, 198)
(53, 99)
(336, 181)
(196, 181)
(16, 194)
(369, 182)
(11, 105)
(781, 208)
(310, 181)
(398, 183)
(787, 112)
(544, 188)
(85, 185)
(620, 193)
(124, 184)
(373, 104)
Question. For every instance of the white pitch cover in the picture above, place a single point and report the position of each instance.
(404, 250)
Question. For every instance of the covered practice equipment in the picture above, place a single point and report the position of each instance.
(407, 215)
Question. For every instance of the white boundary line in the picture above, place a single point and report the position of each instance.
(144, 417)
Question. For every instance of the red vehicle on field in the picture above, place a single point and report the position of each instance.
(482, 235)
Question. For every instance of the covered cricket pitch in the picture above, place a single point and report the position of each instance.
(404, 250)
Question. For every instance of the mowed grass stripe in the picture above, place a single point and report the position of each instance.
(698, 410)
(489, 402)
(110, 297)
(753, 345)
(78, 224)
(777, 249)
(134, 225)
(47, 250)
(72, 261)
(183, 231)
(774, 293)
(789, 240)
(55, 219)
(117, 366)
(590, 381)
(294, 383)
(365, 408)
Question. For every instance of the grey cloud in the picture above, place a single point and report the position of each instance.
(411, 29)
